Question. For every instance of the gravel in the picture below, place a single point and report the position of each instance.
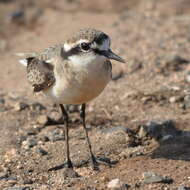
(29, 143)
(55, 135)
(17, 188)
(41, 151)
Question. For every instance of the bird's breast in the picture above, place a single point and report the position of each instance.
(81, 83)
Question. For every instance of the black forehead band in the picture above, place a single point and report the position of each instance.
(100, 38)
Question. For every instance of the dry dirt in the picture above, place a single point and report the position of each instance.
(153, 37)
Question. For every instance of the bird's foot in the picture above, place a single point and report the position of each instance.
(51, 121)
(95, 162)
(68, 165)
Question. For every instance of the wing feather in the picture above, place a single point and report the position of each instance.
(40, 74)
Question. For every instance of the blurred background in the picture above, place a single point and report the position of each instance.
(151, 90)
(32, 25)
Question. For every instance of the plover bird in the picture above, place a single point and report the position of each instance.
(74, 72)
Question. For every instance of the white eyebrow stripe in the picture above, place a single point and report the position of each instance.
(69, 46)
(82, 40)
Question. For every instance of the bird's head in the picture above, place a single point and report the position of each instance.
(89, 45)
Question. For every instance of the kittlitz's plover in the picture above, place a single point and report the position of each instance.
(74, 72)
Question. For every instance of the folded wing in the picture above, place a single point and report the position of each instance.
(40, 74)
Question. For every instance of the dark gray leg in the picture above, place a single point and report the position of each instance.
(66, 119)
(93, 160)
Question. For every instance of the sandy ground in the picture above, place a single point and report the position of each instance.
(153, 38)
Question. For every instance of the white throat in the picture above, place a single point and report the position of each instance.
(87, 60)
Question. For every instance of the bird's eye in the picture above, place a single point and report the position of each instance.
(85, 46)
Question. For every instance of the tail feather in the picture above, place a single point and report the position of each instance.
(25, 56)
(24, 62)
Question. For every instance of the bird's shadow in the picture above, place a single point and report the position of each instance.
(175, 146)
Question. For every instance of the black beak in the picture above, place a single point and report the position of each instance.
(110, 55)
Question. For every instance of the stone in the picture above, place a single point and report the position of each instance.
(29, 143)
(142, 132)
(116, 184)
(16, 188)
(3, 175)
(151, 177)
(175, 88)
(42, 120)
(41, 151)
(21, 139)
(2, 101)
(31, 132)
(186, 102)
(167, 138)
(188, 77)
(181, 187)
(72, 108)
(55, 135)
(27, 181)
(36, 106)
(19, 106)
(172, 99)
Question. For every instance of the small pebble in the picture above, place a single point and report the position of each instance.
(167, 137)
(151, 177)
(188, 77)
(3, 175)
(16, 188)
(41, 151)
(142, 132)
(72, 108)
(29, 143)
(55, 135)
(181, 187)
(172, 99)
(42, 120)
(36, 106)
(116, 184)
(187, 102)
(19, 106)
(2, 101)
